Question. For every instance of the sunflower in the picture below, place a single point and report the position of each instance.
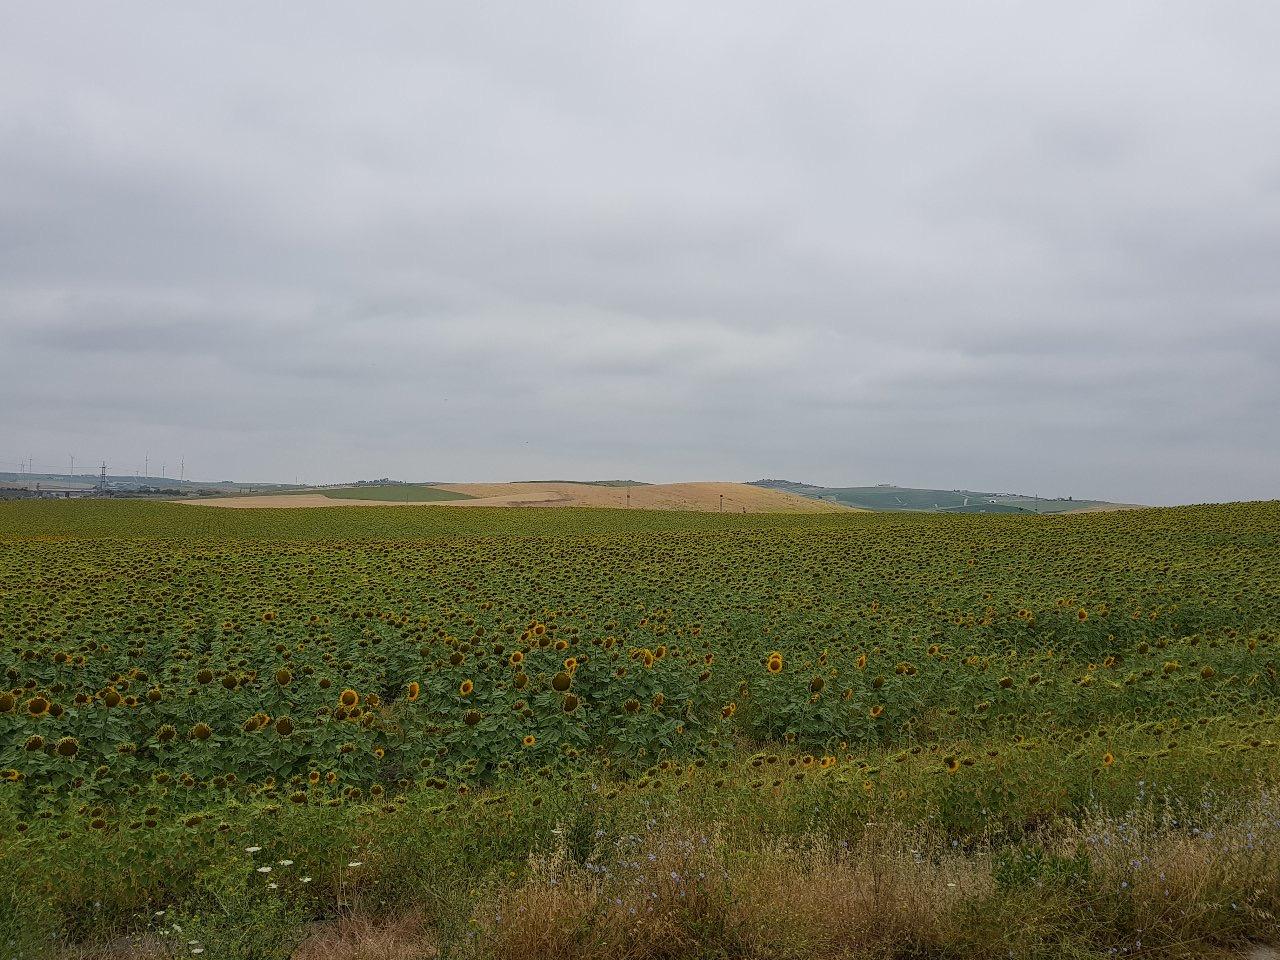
(570, 702)
(7, 702)
(728, 710)
(561, 682)
(1108, 759)
(465, 688)
(953, 764)
(861, 662)
(528, 740)
(411, 694)
(37, 706)
(774, 663)
(283, 676)
(516, 658)
(284, 726)
(201, 731)
(1082, 614)
(68, 747)
(876, 711)
(571, 664)
(349, 698)
(816, 685)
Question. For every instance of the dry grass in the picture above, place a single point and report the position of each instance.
(352, 937)
(682, 895)
(704, 497)
(363, 938)
(1150, 884)
(1186, 884)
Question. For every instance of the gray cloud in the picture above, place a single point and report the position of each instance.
(991, 245)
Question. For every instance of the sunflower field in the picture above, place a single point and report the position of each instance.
(222, 730)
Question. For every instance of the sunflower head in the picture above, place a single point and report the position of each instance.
(283, 676)
(201, 731)
(561, 682)
(411, 694)
(68, 747)
(528, 740)
(349, 698)
(774, 663)
(39, 706)
(465, 688)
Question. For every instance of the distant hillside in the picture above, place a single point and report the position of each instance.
(890, 498)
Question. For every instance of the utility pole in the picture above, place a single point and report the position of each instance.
(146, 465)
(182, 470)
(722, 503)
(73, 466)
(102, 477)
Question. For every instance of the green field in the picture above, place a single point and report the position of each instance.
(396, 492)
(600, 733)
(910, 499)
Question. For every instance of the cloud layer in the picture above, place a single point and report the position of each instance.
(989, 245)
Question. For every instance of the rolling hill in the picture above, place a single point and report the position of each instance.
(886, 497)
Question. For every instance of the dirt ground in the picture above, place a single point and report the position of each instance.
(738, 498)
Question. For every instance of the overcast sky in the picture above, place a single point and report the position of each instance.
(1010, 246)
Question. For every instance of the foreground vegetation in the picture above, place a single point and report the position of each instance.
(585, 733)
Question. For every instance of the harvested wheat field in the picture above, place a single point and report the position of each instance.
(738, 498)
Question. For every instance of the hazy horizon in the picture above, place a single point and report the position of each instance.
(992, 247)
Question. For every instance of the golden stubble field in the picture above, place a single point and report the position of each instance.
(738, 498)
